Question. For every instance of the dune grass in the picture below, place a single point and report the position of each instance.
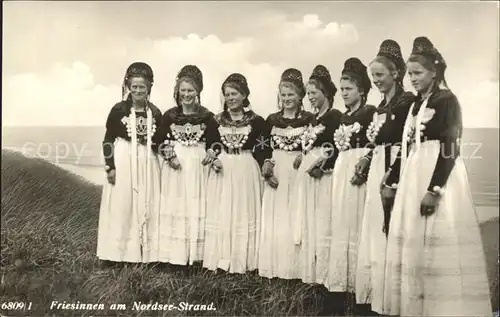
(48, 241)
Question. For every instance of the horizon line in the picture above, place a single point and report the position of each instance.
(103, 126)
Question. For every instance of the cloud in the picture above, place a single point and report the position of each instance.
(70, 95)
(312, 21)
(74, 95)
(301, 41)
(82, 92)
(64, 96)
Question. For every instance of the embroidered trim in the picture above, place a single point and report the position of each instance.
(342, 136)
(375, 126)
(141, 127)
(234, 137)
(188, 134)
(310, 136)
(411, 131)
(288, 138)
(427, 116)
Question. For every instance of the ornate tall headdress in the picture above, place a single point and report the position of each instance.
(322, 74)
(136, 69)
(239, 80)
(294, 76)
(424, 47)
(241, 84)
(390, 49)
(194, 73)
(355, 68)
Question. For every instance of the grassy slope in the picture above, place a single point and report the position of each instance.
(48, 240)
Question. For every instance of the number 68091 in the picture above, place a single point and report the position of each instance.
(16, 306)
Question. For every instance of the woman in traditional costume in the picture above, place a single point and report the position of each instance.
(435, 263)
(190, 132)
(384, 136)
(129, 213)
(348, 191)
(311, 201)
(234, 196)
(278, 254)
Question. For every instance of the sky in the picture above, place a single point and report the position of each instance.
(64, 62)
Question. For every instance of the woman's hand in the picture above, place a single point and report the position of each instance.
(267, 169)
(360, 176)
(429, 204)
(174, 163)
(111, 175)
(385, 230)
(316, 172)
(209, 157)
(272, 181)
(167, 150)
(362, 165)
(388, 195)
(217, 165)
(297, 161)
(358, 179)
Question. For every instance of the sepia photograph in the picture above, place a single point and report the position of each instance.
(250, 158)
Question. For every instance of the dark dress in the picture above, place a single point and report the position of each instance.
(435, 264)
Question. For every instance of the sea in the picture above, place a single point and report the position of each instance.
(79, 150)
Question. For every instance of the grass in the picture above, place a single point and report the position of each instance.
(48, 241)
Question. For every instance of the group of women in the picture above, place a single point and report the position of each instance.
(374, 201)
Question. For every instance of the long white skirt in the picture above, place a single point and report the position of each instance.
(278, 254)
(183, 206)
(233, 214)
(348, 203)
(125, 235)
(372, 246)
(435, 265)
(311, 203)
